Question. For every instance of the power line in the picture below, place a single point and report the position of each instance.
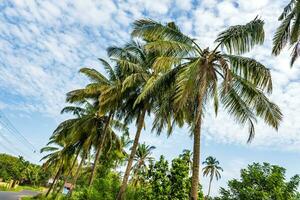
(12, 148)
(12, 129)
(8, 149)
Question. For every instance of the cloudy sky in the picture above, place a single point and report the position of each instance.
(43, 44)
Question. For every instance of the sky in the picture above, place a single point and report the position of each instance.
(43, 44)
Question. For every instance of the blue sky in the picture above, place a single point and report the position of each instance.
(44, 44)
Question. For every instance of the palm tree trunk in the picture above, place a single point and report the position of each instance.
(54, 180)
(211, 178)
(77, 174)
(132, 154)
(197, 143)
(69, 173)
(135, 173)
(57, 182)
(99, 149)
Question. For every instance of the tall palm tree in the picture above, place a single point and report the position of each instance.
(59, 158)
(136, 65)
(82, 133)
(211, 169)
(204, 74)
(107, 91)
(142, 156)
(288, 31)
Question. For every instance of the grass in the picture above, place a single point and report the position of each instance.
(42, 197)
(26, 198)
(23, 187)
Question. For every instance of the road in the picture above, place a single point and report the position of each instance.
(16, 195)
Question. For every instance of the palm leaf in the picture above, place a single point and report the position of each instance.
(151, 31)
(94, 75)
(242, 38)
(251, 70)
(282, 34)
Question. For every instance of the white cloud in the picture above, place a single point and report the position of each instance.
(184, 5)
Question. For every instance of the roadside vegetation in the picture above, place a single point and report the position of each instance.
(17, 174)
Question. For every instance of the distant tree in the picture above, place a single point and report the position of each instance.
(211, 169)
(261, 182)
(10, 167)
(21, 170)
(142, 156)
(160, 182)
(179, 177)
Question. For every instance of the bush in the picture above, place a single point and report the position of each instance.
(103, 188)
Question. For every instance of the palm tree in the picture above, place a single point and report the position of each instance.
(81, 134)
(288, 31)
(136, 66)
(59, 158)
(203, 74)
(142, 156)
(211, 169)
(107, 92)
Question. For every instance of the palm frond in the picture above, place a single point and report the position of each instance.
(282, 34)
(166, 47)
(242, 38)
(94, 75)
(251, 70)
(151, 31)
(287, 9)
(73, 110)
(295, 53)
(108, 68)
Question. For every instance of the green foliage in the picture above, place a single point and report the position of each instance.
(10, 167)
(159, 180)
(13, 168)
(164, 182)
(179, 177)
(103, 188)
(242, 38)
(261, 182)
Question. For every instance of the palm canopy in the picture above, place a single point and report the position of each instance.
(135, 66)
(288, 31)
(143, 155)
(105, 91)
(196, 75)
(238, 82)
(212, 168)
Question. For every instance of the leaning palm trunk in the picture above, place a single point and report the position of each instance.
(54, 181)
(77, 174)
(132, 154)
(98, 152)
(197, 143)
(69, 173)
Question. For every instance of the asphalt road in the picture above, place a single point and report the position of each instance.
(16, 195)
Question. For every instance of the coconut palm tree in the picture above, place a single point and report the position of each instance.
(82, 133)
(107, 91)
(142, 156)
(288, 31)
(136, 66)
(211, 169)
(218, 74)
(59, 158)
